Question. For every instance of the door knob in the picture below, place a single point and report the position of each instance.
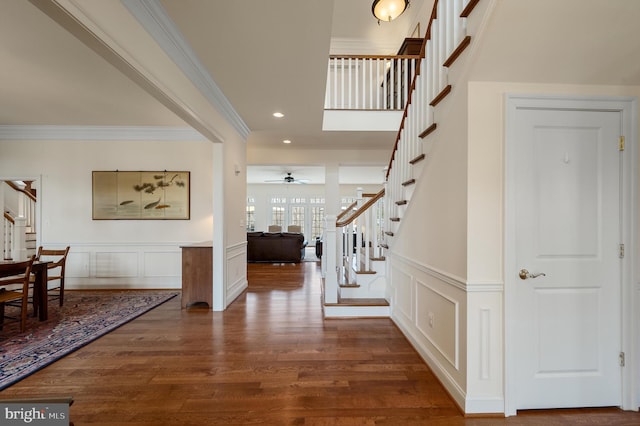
(524, 274)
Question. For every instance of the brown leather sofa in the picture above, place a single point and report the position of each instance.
(275, 247)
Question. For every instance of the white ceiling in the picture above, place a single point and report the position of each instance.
(271, 55)
(265, 56)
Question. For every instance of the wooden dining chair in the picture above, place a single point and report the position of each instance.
(55, 269)
(16, 274)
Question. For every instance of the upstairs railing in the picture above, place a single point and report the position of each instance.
(369, 82)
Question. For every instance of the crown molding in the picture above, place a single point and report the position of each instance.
(153, 17)
(99, 133)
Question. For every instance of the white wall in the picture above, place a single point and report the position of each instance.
(448, 282)
(428, 260)
(486, 206)
(233, 201)
(112, 253)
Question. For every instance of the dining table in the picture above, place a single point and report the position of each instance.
(40, 302)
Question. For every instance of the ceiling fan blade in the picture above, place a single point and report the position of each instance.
(288, 179)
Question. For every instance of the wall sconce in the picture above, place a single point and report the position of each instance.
(388, 10)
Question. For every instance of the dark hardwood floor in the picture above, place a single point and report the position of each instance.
(270, 358)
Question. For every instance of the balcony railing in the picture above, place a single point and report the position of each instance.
(369, 82)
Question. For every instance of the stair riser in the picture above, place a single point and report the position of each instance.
(356, 312)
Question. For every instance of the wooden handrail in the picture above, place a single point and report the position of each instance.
(24, 191)
(427, 37)
(374, 56)
(347, 210)
(9, 218)
(361, 210)
(463, 44)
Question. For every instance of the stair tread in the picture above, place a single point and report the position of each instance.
(417, 159)
(426, 132)
(401, 202)
(349, 285)
(359, 302)
(408, 182)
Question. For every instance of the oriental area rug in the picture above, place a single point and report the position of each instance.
(85, 316)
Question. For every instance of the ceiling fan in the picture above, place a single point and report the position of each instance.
(288, 179)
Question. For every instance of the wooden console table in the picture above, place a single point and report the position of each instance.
(197, 274)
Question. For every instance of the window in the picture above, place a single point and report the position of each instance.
(251, 214)
(317, 221)
(297, 216)
(277, 211)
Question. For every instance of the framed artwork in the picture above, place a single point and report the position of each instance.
(141, 195)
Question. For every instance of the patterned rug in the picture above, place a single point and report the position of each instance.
(85, 316)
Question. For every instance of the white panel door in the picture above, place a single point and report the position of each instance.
(568, 228)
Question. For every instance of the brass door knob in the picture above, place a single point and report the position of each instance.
(524, 274)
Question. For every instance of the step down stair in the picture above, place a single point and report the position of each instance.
(357, 308)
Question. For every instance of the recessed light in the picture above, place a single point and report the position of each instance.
(286, 141)
(278, 114)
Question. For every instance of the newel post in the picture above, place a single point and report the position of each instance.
(329, 256)
(19, 250)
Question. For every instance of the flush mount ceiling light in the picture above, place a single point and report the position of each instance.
(388, 10)
(287, 141)
(278, 114)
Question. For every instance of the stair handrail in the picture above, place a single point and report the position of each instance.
(29, 194)
(10, 218)
(427, 37)
(469, 5)
(360, 210)
(26, 204)
(346, 211)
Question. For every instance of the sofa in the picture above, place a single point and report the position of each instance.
(275, 247)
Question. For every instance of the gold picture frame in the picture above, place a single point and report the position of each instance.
(141, 195)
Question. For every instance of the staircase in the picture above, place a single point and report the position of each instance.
(359, 285)
(18, 238)
(361, 266)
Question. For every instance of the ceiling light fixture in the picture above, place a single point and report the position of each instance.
(286, 141)
(388, 10)
(278, 114)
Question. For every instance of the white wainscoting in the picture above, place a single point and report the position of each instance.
(456, 327)
(124, 266)
(145, 266)
(430, 309)
(236, 279)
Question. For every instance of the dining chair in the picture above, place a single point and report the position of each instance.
(275, 228)
(56, 267)
(16, 275)
(294, 228)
